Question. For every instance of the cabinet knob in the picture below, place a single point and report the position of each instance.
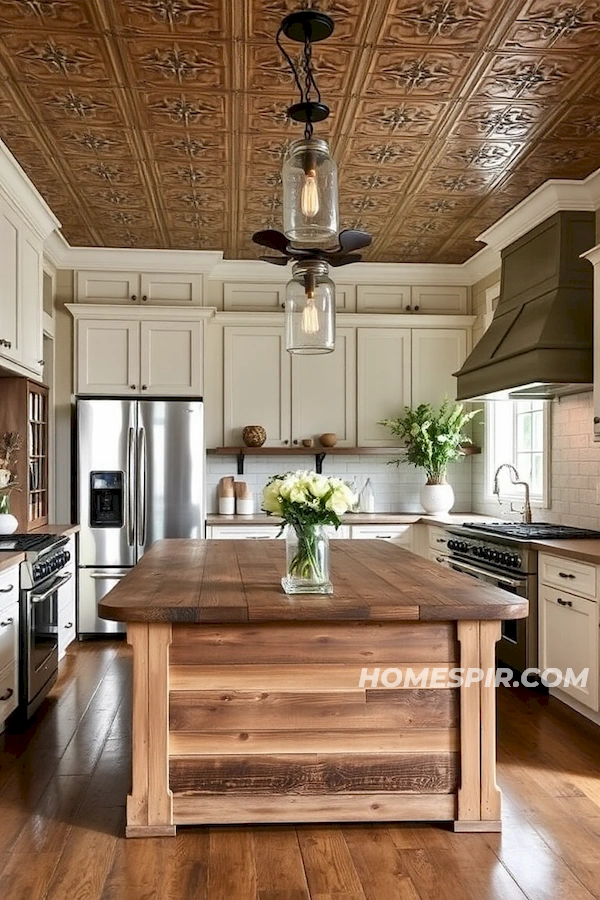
(407, 308)
(416, 308)
(286, 442)
(133, 386)
(283, 305)
(7, 695)
(295, 442)
(144, 387)
(144, 298)
(134, 298)
(596, 420)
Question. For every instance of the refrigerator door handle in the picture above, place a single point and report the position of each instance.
(108, 574)
(142, 486)
(130, 488)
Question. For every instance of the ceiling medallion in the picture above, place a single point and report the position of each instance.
(310, 202)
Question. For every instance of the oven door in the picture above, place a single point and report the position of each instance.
(41, 638)
(517, 646)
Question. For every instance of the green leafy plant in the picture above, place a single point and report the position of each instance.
(434, 438)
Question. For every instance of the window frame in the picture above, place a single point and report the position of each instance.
(491, 463)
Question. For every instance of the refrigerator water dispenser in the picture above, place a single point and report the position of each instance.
(107, 499)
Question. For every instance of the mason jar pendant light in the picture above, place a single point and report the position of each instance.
(310, 204)
(310, 308)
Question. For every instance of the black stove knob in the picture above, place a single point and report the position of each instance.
(495, 555)
(486, 553)
(452, 545)
(463, 546)
(66, 555)
(516, 561)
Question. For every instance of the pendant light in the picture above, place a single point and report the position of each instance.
(310, 308)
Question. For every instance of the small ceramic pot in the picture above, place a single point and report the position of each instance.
(254, 435)
(329, 439)
(437, 499)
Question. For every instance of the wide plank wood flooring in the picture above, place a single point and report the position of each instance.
(63, 785)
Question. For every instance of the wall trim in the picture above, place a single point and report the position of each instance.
(21, 193)
(356, 320)
(147, 313)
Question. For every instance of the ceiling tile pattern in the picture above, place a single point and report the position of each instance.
(161, 123)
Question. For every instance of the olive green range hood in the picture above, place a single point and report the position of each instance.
(539, 343)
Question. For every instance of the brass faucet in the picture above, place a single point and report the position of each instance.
(514, 477)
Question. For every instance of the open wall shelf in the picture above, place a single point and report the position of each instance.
(318, 452)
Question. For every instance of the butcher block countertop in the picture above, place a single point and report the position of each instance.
(58, 530)
(240, 582)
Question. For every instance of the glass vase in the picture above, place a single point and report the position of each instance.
(307, 560)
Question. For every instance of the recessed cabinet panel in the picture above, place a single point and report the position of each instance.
(9, 285)
(108, 358)
(436, 354)
(31, 304)
(240, 297)
(167, 289)
(345, 297)
(171, 358)
(383, 298)
(256, 383)
(324, 392)
(113, 287)
(437, 299)
(383, 369)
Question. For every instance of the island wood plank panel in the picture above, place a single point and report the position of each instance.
(239, 581)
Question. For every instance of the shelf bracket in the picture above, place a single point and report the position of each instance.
(240, 463)
(319, 457)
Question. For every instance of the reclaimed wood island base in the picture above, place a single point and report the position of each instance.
(250, 706)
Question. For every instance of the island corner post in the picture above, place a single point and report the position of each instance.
(248, 705)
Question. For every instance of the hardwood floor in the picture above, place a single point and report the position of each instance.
(63, 785)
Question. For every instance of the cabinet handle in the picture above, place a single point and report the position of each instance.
(596, 420)
(567, 575)
(69, 625)
(133, 386)
(562, 602)
(7, 589)
(383, 537)
(407, 308)
(144, 298)
(8, 622)
(41, 362)
(144, 387)
(441, 559)
(441, 540)
(7, 695)
(134, 298)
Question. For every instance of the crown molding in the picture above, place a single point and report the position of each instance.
(113, 312)
(593, 255)
(115, 259)
(22, 194)
(355, 273)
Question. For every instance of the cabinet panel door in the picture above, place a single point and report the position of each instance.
(113, 287)
(569, 639)
(256, 383)
(382, 298)
(171, 358)
(31, 303)
(324, 392)
(10, 317)
(242, 297)
(438, 299)
(108, 357)
(171, 288)
(383, 369)
(436, 354)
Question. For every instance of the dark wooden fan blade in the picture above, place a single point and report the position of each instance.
(274, 240)
(343, 259)
(353, 240)
(276, 260)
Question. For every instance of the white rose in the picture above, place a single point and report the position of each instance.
(318, 486)
(271, 502)
(4, 477)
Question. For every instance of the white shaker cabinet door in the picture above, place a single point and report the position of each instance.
(436, 354)
(31, 305)
(108, 357)
(438, 300)
(10, 295)
(256, 383)
(168, 289)
(108, 287)
(384, 379)
(324, 392)
(171, 358)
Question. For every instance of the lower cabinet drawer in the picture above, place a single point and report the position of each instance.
(438, 538)
(9, 634)
(9, 689)
(66, 628)
(567, 574)
(241, 532)
(438, 556)
(398, 534)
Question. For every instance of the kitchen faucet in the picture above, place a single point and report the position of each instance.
(514, 477)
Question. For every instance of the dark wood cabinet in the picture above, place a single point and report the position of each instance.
(24, 409)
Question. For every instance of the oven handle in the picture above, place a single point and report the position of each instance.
(39, 598)
(503, 579)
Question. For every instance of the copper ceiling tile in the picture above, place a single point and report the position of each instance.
(185, 18)
(408, 74)
(268, 71)
(525, 76)
(56, 58)
(546, 25)
(162, 62)
(443, 22)
(182, 109)
(59, 15)
(499, 121)
(404, 118)
(63, 103)
(481, 156)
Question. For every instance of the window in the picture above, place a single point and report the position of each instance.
(517, 434)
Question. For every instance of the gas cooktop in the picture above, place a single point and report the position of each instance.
(531, 532)
(28, 542)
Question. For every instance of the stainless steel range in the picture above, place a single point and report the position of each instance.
(501, 553)
(41, 576)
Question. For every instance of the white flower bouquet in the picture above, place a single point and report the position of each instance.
(306, 501)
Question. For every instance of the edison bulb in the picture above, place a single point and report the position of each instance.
(309, 199)
(310, 316)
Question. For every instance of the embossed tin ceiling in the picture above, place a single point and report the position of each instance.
(161, 123)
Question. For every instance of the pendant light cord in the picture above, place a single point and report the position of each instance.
(309, 79)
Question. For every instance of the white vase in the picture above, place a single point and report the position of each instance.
(437, 499)
(8, 523)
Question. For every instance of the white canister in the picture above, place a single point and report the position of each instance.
(226, 506)
(244, 506)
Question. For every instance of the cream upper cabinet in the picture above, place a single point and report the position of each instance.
(402, 298)
(256, 383)
(383, 381)
(324, 392)
(32, 349)
(436, 354)
(164, 289)
(131, 356)
(171, 358)
(108, 356)
(269, 297)
(10, 296)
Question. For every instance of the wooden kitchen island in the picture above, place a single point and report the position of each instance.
(247, 704)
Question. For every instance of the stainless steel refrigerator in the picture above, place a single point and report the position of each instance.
(140, 473)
